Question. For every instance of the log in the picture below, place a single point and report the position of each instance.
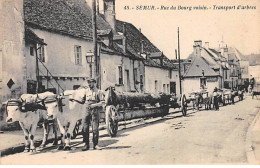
(135, 99)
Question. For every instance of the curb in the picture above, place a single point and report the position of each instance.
(249, 146)
(20, 148)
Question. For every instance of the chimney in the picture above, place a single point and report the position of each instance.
(198, 42)
(140, 30)
(161, 60)
(207, 45)
(197, 48)
(109, 13)
(124, 39)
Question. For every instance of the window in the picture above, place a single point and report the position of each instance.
(156, 86)
(41, 53)
(164, 88)
(203, 82)
(141, 83)
(135, 75)
(168, 88)
(170, 74)
(77, 51)
(32, 51)
(120, 72)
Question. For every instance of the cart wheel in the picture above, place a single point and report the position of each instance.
(183, 105)
(76, 130)
(111, 122)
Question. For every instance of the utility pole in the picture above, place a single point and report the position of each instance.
(37, 69)
(179, 60)
(98, 7)
(94, 27)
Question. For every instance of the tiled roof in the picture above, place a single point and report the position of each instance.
(104, 32)
(208, 58)
(241, 56)
(72, 17)
(232, 54)
(177, 61)
(118, 37)
(134, 38)
(217, 54)
(155, 54)
(166, 63)
(196, 67)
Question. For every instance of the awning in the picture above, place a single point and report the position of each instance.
(31, 36)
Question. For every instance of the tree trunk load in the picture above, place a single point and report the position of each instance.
(135, 99)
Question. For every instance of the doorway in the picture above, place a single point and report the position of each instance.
(172, 87)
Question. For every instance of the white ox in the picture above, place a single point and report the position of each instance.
(67, 112)
(29, 118)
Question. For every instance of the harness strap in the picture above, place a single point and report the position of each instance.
(72, 100)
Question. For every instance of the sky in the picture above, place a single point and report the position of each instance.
(236, 27)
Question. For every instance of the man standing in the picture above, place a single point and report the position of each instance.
(215, 98)
(252, 83)
(94, 101)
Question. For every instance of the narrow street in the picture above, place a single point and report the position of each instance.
(202, 137)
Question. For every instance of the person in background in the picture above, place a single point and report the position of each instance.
(252, 83)
(215, 98)
(246, 84)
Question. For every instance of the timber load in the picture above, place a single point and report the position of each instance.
(123, 106)
(135, 99)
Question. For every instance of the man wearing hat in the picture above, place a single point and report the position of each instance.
(216, 98)
(94, 101)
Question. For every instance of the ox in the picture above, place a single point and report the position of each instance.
(29, 111)
(67, 110)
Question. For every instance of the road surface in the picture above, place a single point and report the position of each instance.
(202, 137)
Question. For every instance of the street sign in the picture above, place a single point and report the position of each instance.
(10, 83)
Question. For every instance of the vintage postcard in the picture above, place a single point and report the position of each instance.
(129, 82)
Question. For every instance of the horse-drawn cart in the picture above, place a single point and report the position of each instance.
(199, 98)
(123, 106)
(179, 102)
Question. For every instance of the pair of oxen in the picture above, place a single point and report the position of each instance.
(65, 110)
(199, 98)
(207, 98)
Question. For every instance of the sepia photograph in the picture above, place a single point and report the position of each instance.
(130, 82)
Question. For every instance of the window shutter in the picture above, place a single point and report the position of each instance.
(75, 54)
(43, 54)
(117, 74)
(80, 56)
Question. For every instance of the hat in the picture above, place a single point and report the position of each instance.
(92, 80)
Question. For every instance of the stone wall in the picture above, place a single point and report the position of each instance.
(12, 58)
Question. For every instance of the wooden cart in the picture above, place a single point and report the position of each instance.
(123, 106)
(180, 102)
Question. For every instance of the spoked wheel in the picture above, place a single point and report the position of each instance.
(111, 121)
(183, 105)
